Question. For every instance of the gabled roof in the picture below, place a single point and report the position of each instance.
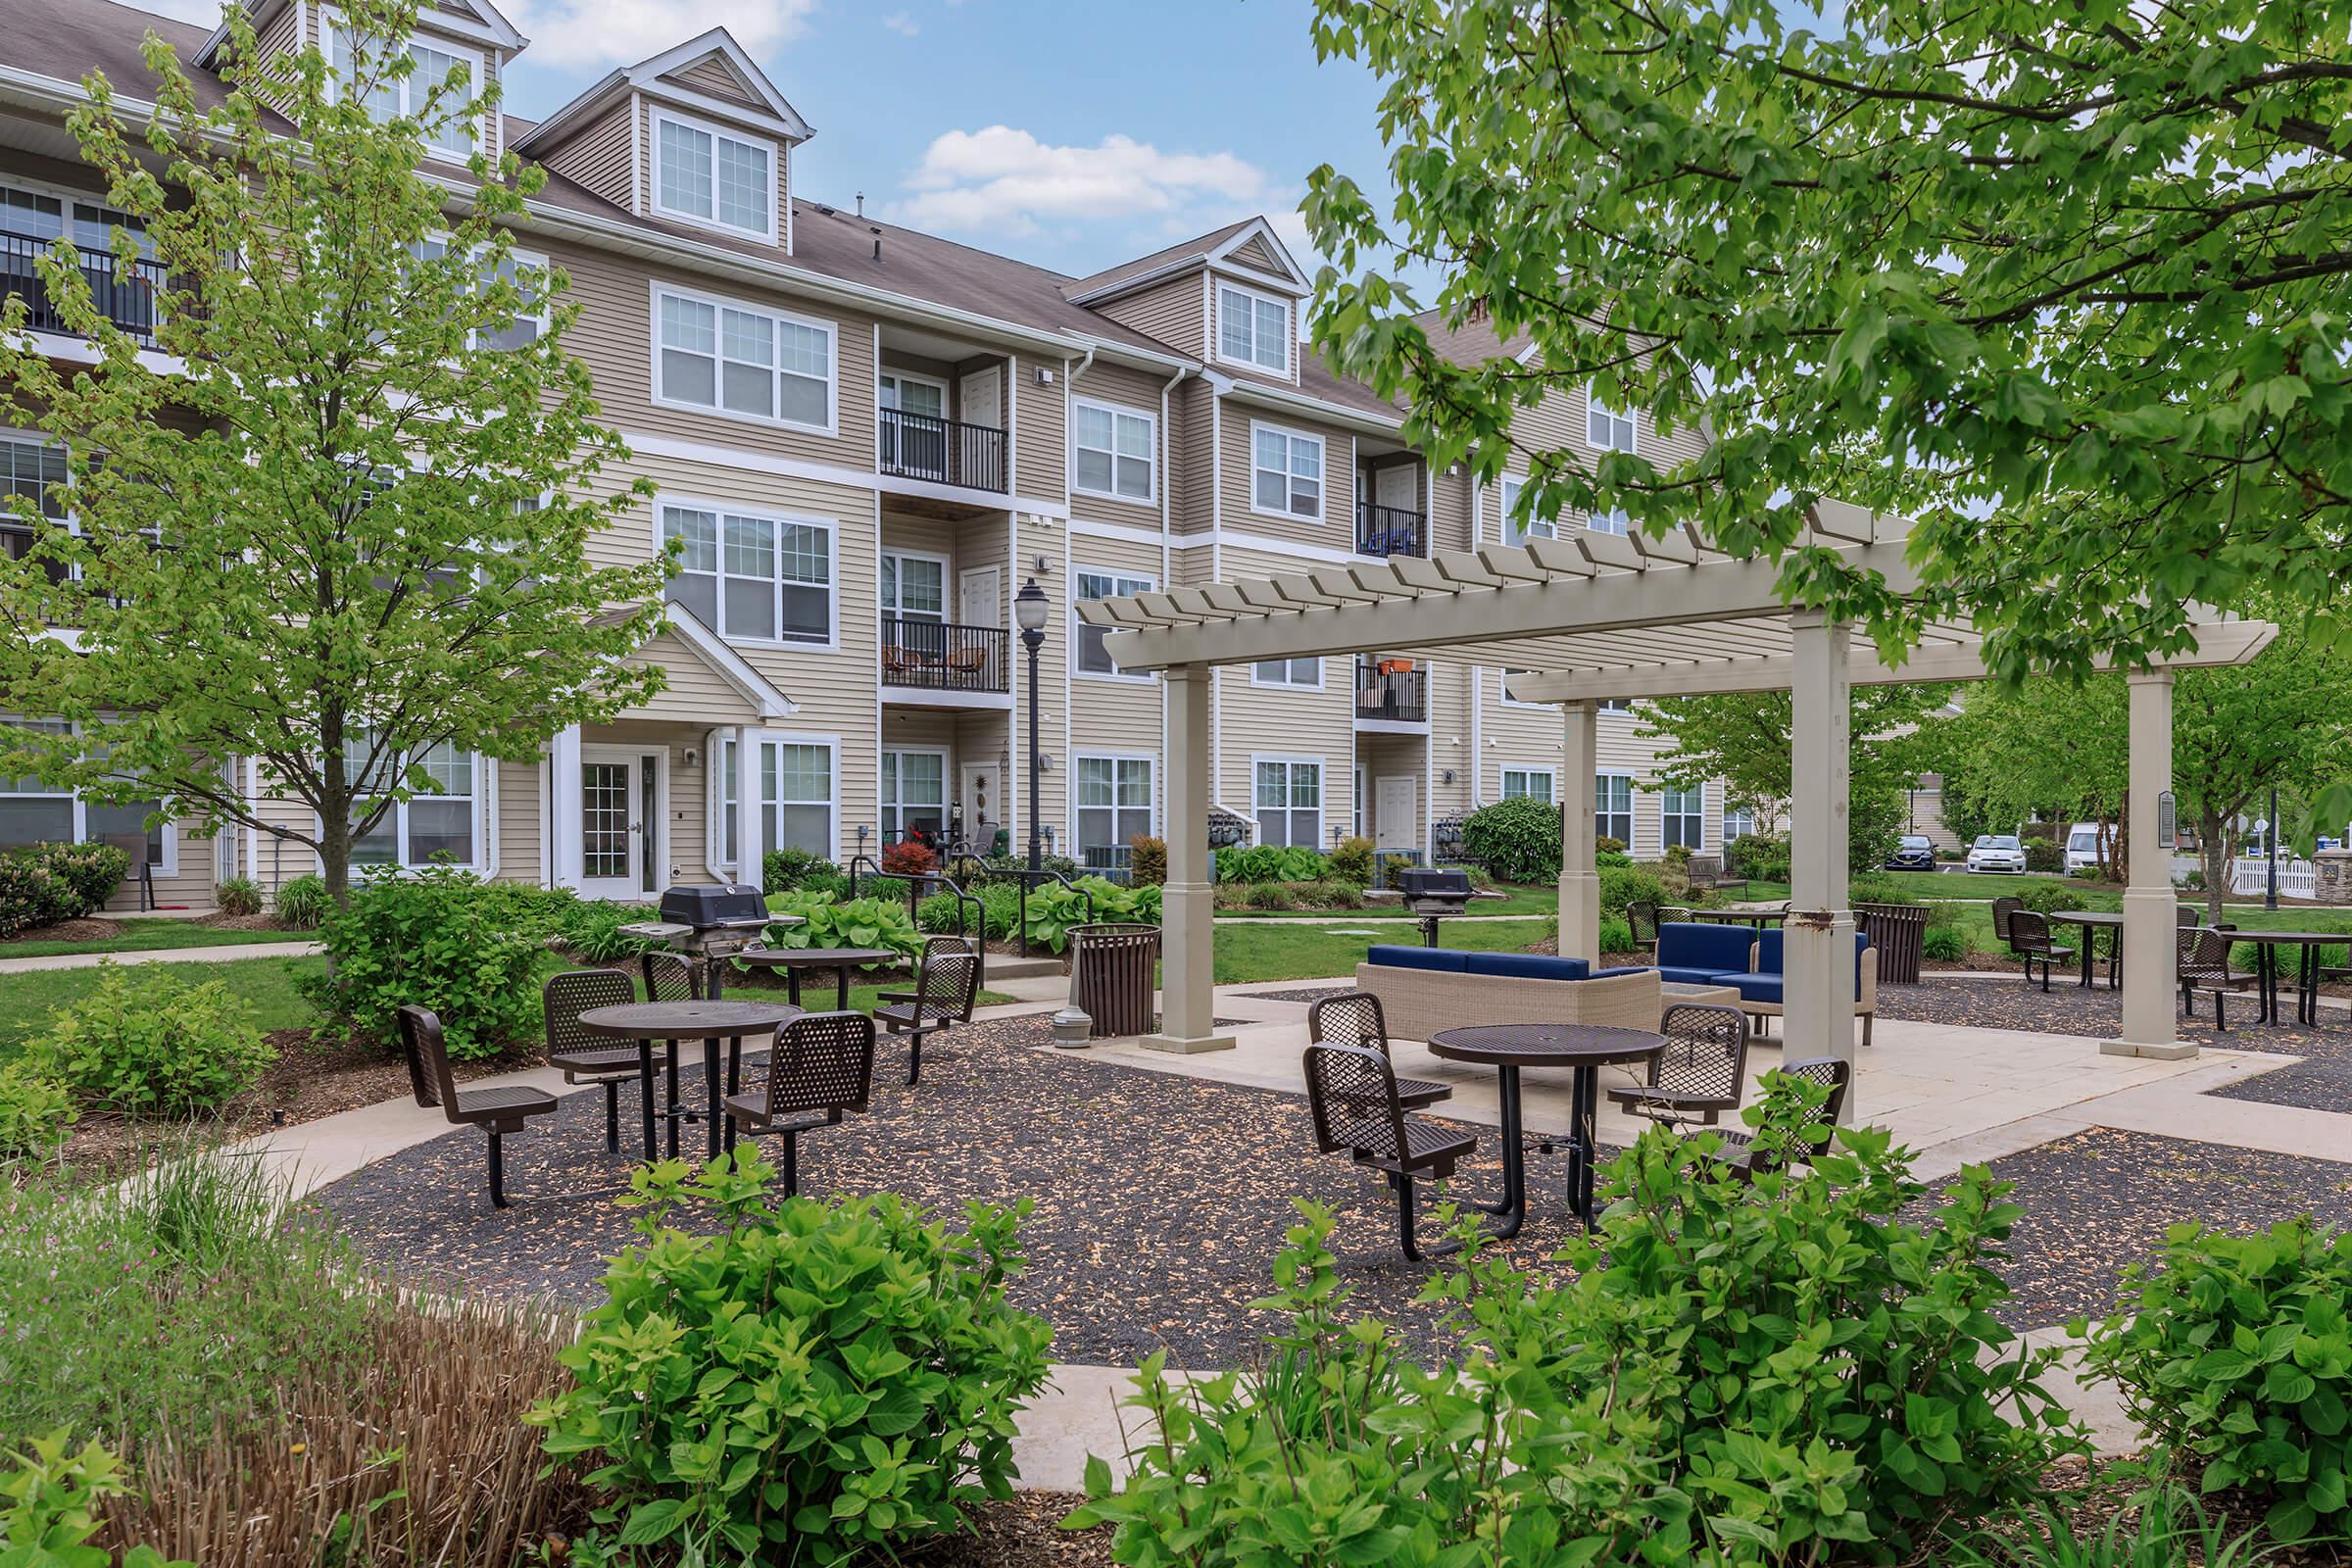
(1251, 237)
(761, 105)
(476, 20)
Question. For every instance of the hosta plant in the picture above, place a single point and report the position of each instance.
(828, 920)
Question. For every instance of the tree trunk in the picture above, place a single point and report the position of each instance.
(2119, 865)
(2213, 852)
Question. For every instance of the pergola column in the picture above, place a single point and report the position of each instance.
(1818, 959)
(2150, 940)
(750, 854)
(1188, 901)
(1579, 882)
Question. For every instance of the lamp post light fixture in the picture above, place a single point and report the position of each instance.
(1029, 611)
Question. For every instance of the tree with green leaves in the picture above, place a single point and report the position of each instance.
(335, 523)
(2066, 284)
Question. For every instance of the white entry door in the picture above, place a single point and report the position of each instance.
(1397, 813)
(1398, 485)
(980, 597)
(982, 797)
(621, 804)
(980, 398)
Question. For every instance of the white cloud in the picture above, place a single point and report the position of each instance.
(620, 32)
(1004, 180)
(900, 23)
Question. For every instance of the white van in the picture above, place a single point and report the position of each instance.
(2082, 847)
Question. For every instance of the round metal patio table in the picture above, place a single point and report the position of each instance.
(2093, 922)
(1582, 1047)
(1756, 919)
(672, 1022)
(792, 960)
(2307, 969)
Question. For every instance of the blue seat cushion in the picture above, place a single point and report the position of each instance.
(1528, 966)
(1752, 987)
(1696, 944)
(1769, 947)
(1395, 957)
(1685, 977)
(1623, 968)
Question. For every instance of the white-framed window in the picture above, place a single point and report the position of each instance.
(914, 792)
(915, 587)
(1093, 582)
(741, 360)
(1684, 818)
(1616, 705)
(1254, 328)
(1287, 794)
(1739, 821)
(446, 824)
(1303, 674)
(1614, 520)
(35, 469)
(1516, 530)
(751, 578)
(1604, 427)
(706, 173)
(1113, 803)
(1504, 686)
(1286, 473)
(457, 136)
(1529, 783)
(1113, 451)
(800, 796)
(519, 331)
(34, 813)
(1613, 807)
(913, 433)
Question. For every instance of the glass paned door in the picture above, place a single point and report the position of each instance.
(914, 427)
(620, 813)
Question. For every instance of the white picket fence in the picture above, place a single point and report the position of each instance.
(2299, 879)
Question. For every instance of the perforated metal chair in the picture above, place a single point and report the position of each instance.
(587, 1057)
(1700, 1073)
(1642, 914)
(2203, 964)
(823, 1065)
(944, 987)
(1355, 1019)
(2003, 908)
(2029, 938)
(1739, 1149)
(495, 1110)
(1352, 1094)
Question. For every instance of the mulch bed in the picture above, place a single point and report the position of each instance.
(1023, 1532)
(89, 929)
(1161, 1200)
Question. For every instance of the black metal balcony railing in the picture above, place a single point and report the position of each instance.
(1390, 531)
(128, 299)
(1401, 695)
(922, 446)
(942, 657)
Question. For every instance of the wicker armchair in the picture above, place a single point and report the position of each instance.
(1700, 1073)
(587, 1057)
(823, 1065)
(495, 1110)
(2029, 938)
(945, 988)
(1355, 1019)
(1352, 1094)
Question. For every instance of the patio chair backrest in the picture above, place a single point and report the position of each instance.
(1352, 1094)
(2187, 915)
(422, 1042)
(2204, 954)
(1354, 1019)
(950, 979)
(1707, 1050)
(1642, 915)
(2029, 931)
(2002, 909)
(672, 977)
(822, 1062)
(566, 995)
(1834, 1074)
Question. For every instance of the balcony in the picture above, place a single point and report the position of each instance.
(937, 656)
(923, 446)
(1397, 697)
(1390, 531)
(128, 299)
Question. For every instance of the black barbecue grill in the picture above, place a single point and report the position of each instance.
(1433, 892)
(706, 920)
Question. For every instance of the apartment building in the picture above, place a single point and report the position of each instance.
(868, 440)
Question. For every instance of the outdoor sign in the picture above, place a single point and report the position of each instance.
(2164, 820)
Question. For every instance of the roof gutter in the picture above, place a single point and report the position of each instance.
(1267, 397)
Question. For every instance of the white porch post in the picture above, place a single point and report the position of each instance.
(750, 853)
(2150, 946)
(1186, 936)
(1818, 955)
(1579, 882)
(563, 787)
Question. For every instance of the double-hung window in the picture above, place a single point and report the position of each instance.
(1739, 821)
(1254, 328)
(440, 823)
(37, 471)
(1614, 520)
(796, 797)
(459, 128)
(915, 587)
(1306, 674)
(1685, 818)
(914, 793)
(34, 813)
(741, 360)
(1114, 805)
(1613, 807)
(1527, 783)
(1287, 794)
(1517, 531)
(1090, 583)
(517, 331)
(1605, 428)
(1112, 452)
(707, 174)
(1286, 473)
(751, 578)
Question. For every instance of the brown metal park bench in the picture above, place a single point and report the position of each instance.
(945, 988)
(1700, 1073)
(1355, 1019)
(823, 1065)
(1352, 1094)
(1707, 875)
(495, 1110)
(584, 1057)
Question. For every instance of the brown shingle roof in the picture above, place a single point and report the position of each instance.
(1201, 246)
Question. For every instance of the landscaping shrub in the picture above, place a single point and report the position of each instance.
(1621, 885)
(2050, 897)
(2169, 1529)
(36, 1113)
(891, 889)
(1334, 893)
(784, 870)
(1606, 844)
(51, 1501)
(831, 921)
(1943, 944)
(2045, 856)
(436, 937)
(1873, 888)
(1616, 935)
(1802, 1371)
(1764, 857)
(1608, 857)
(1519, 839)
(1008, 868)
(1351, 860)
(42, 884)
(1270, 896)
(240, 896)
(818, 1383)
(940, 913)
(1054, 909)
(146, 1043)
(2235, 1352)
(1270, 863)
(303, 901)
(592, 929)
(1146, 861)
(907, 858)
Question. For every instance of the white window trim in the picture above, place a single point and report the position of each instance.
(947, 784)
(1116, 411)
(714, 825)
(1509, 529)
(1594, 405)
(832, 645)
(1322, 767)
(1286, 685)
(711, 128)
(1218, 284)
(948, 608)
(1144, 677)
(1502, 780)
(1322, 485)
(485, 790)
(331, 16)
(888, 372)
(1503, 697)
(1701, 814)
(1593, 521)
(170, 864)
(719, 411)
(1151, 810)
(544, 316)
(1633, 804)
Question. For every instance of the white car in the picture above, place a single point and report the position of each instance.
(1996, 851)
(2081, 848)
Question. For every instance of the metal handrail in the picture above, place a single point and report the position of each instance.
(125, 297)
(924, 446)
(1389, 530)
(944, 656)
(948, 884)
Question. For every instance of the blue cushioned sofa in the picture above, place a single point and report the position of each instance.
(1700, 954)
(1426, 989)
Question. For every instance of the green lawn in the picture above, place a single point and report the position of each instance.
(151, 935)
(1246, 954)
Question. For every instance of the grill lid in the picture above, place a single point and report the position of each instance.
(1432, 882)
(714, 906)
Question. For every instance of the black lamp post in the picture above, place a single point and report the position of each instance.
(1029, 610)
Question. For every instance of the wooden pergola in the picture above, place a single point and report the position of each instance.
(1591, 617)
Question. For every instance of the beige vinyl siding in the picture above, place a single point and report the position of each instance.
(1116, 716)
(1450, 511)
(190, 887)
(1559, 421)
(1192, 457)
(598, 158)
(1041, 432)
(1389, 756)
(1253, 251)
(1334, 530)
(284, 34)
(1169, 311)
(1283, 720)
(696, 693)
(1289, 372)
(686, 815)
(1130, 391)
(710, 74)
(521, 856)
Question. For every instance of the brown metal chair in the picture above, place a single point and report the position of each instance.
(1739, 1147)
(2029, 938)
(2003, 908)
(1355, 1019)
(134, 845)
(1642, 914)
(586, 1058)
(2203, 964)
(944, 987)
(497, 1110)
(1701, 1071)
(1352, 1094)
(671, 978)
(823, 1065)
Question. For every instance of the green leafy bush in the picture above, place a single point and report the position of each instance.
(1869, 889)
(1763, 856)
(1146, 861)
(2050, 897)
(1008, 868)
(1351, 860)
(1269, 896)
(1271, 862)
(1519, 839)
(1054, 909)
(2045, 856)
(51, 1501)
(1616, 935)
(303, 901)
(1943, 944)
(90, 872)
(42, 884)
(592, 928)
(240, 896)
(2169, 1529)
(438, 937)
(1606, 844)
(818, 1383)
(36, 1113)
(940, 913)
(830, 921)
(2235, 1352)
(785, 870)
(1603, 859)
(1333, 894)
(1621, 885)
(146, 1043)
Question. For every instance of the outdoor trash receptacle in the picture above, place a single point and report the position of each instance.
(1110, 975)
(1897, 931)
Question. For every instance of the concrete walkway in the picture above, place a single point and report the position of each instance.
(212, 955)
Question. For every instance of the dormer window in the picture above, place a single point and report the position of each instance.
(716, 177)
(1254, 328)
(460, 131)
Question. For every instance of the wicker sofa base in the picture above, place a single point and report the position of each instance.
(1417, 1003)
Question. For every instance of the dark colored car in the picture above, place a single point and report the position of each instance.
(1913, 851)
